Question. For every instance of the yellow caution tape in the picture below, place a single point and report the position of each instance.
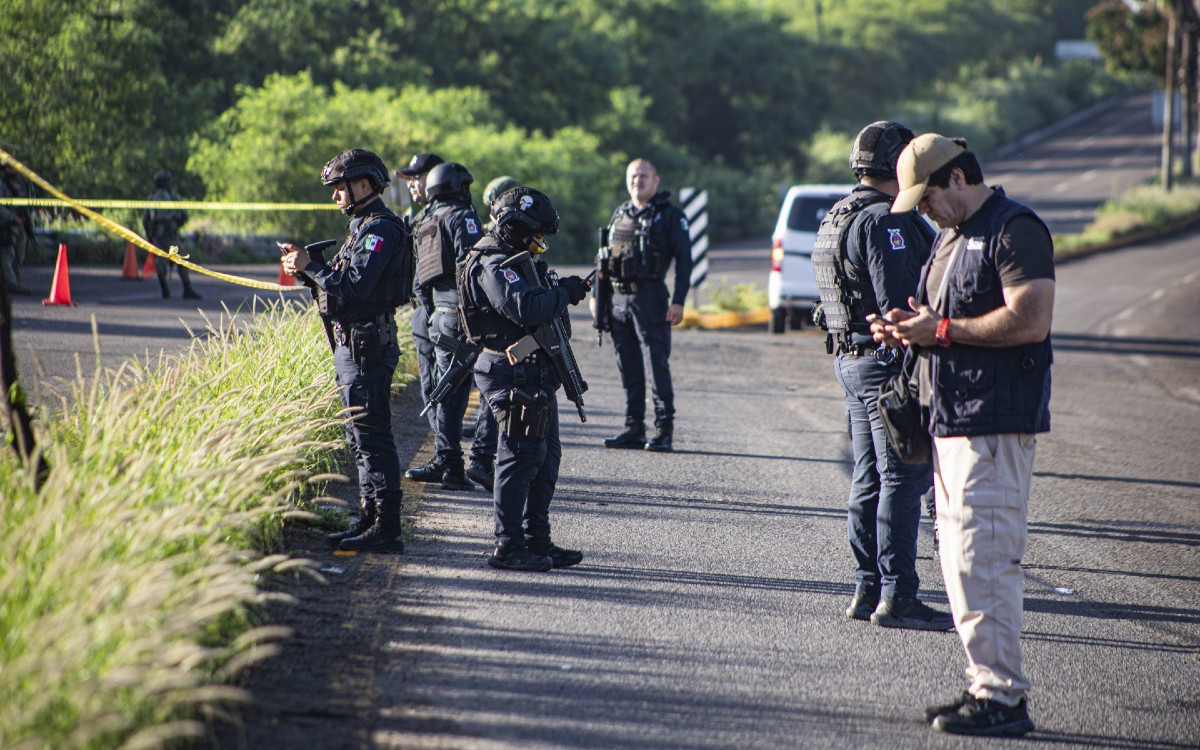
(195, 205)
(172, 254)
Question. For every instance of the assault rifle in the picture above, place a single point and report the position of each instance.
(316, 252)
(462, 359)
(602, 290)
(550, 337)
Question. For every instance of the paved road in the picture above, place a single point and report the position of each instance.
(708, 611)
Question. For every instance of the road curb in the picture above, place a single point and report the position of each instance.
(694, 319)
(1130, 239)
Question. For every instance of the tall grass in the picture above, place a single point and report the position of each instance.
(129, 582)
(1142, 208)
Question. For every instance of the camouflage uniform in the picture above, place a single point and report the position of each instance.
(161, 226)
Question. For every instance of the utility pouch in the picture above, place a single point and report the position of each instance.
(435, 257)
(900, 411)
(365, 343)
(527, 414)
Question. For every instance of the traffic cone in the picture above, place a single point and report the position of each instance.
(60, 288)
(130, 269)
(286, 279)
(148, 269)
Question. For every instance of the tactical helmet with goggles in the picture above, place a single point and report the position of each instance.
(449, 179)
(877, 148)
(353, 164)
(521, 213)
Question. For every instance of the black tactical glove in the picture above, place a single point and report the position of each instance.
(576, 288)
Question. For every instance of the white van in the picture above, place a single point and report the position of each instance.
(791, 286)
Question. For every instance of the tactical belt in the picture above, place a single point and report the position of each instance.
(533, 357)
(444, 309)
(633, 287)
(385, 321)
(856, 350)
(846, 348)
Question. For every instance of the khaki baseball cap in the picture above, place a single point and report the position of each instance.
(922, 157)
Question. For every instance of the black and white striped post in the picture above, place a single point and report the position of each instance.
(695, 207)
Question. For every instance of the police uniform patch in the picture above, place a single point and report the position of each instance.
(471, 228)
(511, 275)
(896, 239)
(683, 223)
(372, 242)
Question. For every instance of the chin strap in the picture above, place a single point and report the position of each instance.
(349, 210)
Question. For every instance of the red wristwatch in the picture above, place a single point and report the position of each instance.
(942, 334)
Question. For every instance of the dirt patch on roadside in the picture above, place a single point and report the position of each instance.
(319, 691)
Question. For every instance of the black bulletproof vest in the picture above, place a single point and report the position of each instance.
(843, 288)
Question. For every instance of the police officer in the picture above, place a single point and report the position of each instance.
(16, 230)
(866, 260)
(162, 229)
(646, 233)
(415, 174)
(499, 307)
(359, 292)
(493, 190)
(448, 228)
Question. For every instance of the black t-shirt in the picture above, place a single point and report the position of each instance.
(1025, 252)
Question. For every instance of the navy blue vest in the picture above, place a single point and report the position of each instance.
(984, 390)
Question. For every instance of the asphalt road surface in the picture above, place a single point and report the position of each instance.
(708, 610)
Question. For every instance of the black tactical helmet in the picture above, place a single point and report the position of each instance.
(447, 179)
(526, 208)
(355, 163)
(877, 148)
(162, 178)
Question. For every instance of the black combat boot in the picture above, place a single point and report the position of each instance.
(663, 432)
(366, 519)
(516, 556)
(385, 534)
(559, 557)
(482, 471)
(634, 436)
(454, 478)
(430, 472)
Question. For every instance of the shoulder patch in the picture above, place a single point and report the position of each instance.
(511, 275)
(472, 227)
(895, 239)
(683, 223)
(373, 243)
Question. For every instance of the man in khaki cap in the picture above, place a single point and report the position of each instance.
(981, 318)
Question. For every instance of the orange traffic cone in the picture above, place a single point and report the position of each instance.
(285, 279)
(148, 269)
(60, 288)
(130, 269)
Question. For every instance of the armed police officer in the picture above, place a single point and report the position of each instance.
(446, 230)
(162, 227)
(866, 260)
(415, 175)
(646, 234)
(358, 293)
(504, 298)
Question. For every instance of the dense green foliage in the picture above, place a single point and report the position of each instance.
(246, 99)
